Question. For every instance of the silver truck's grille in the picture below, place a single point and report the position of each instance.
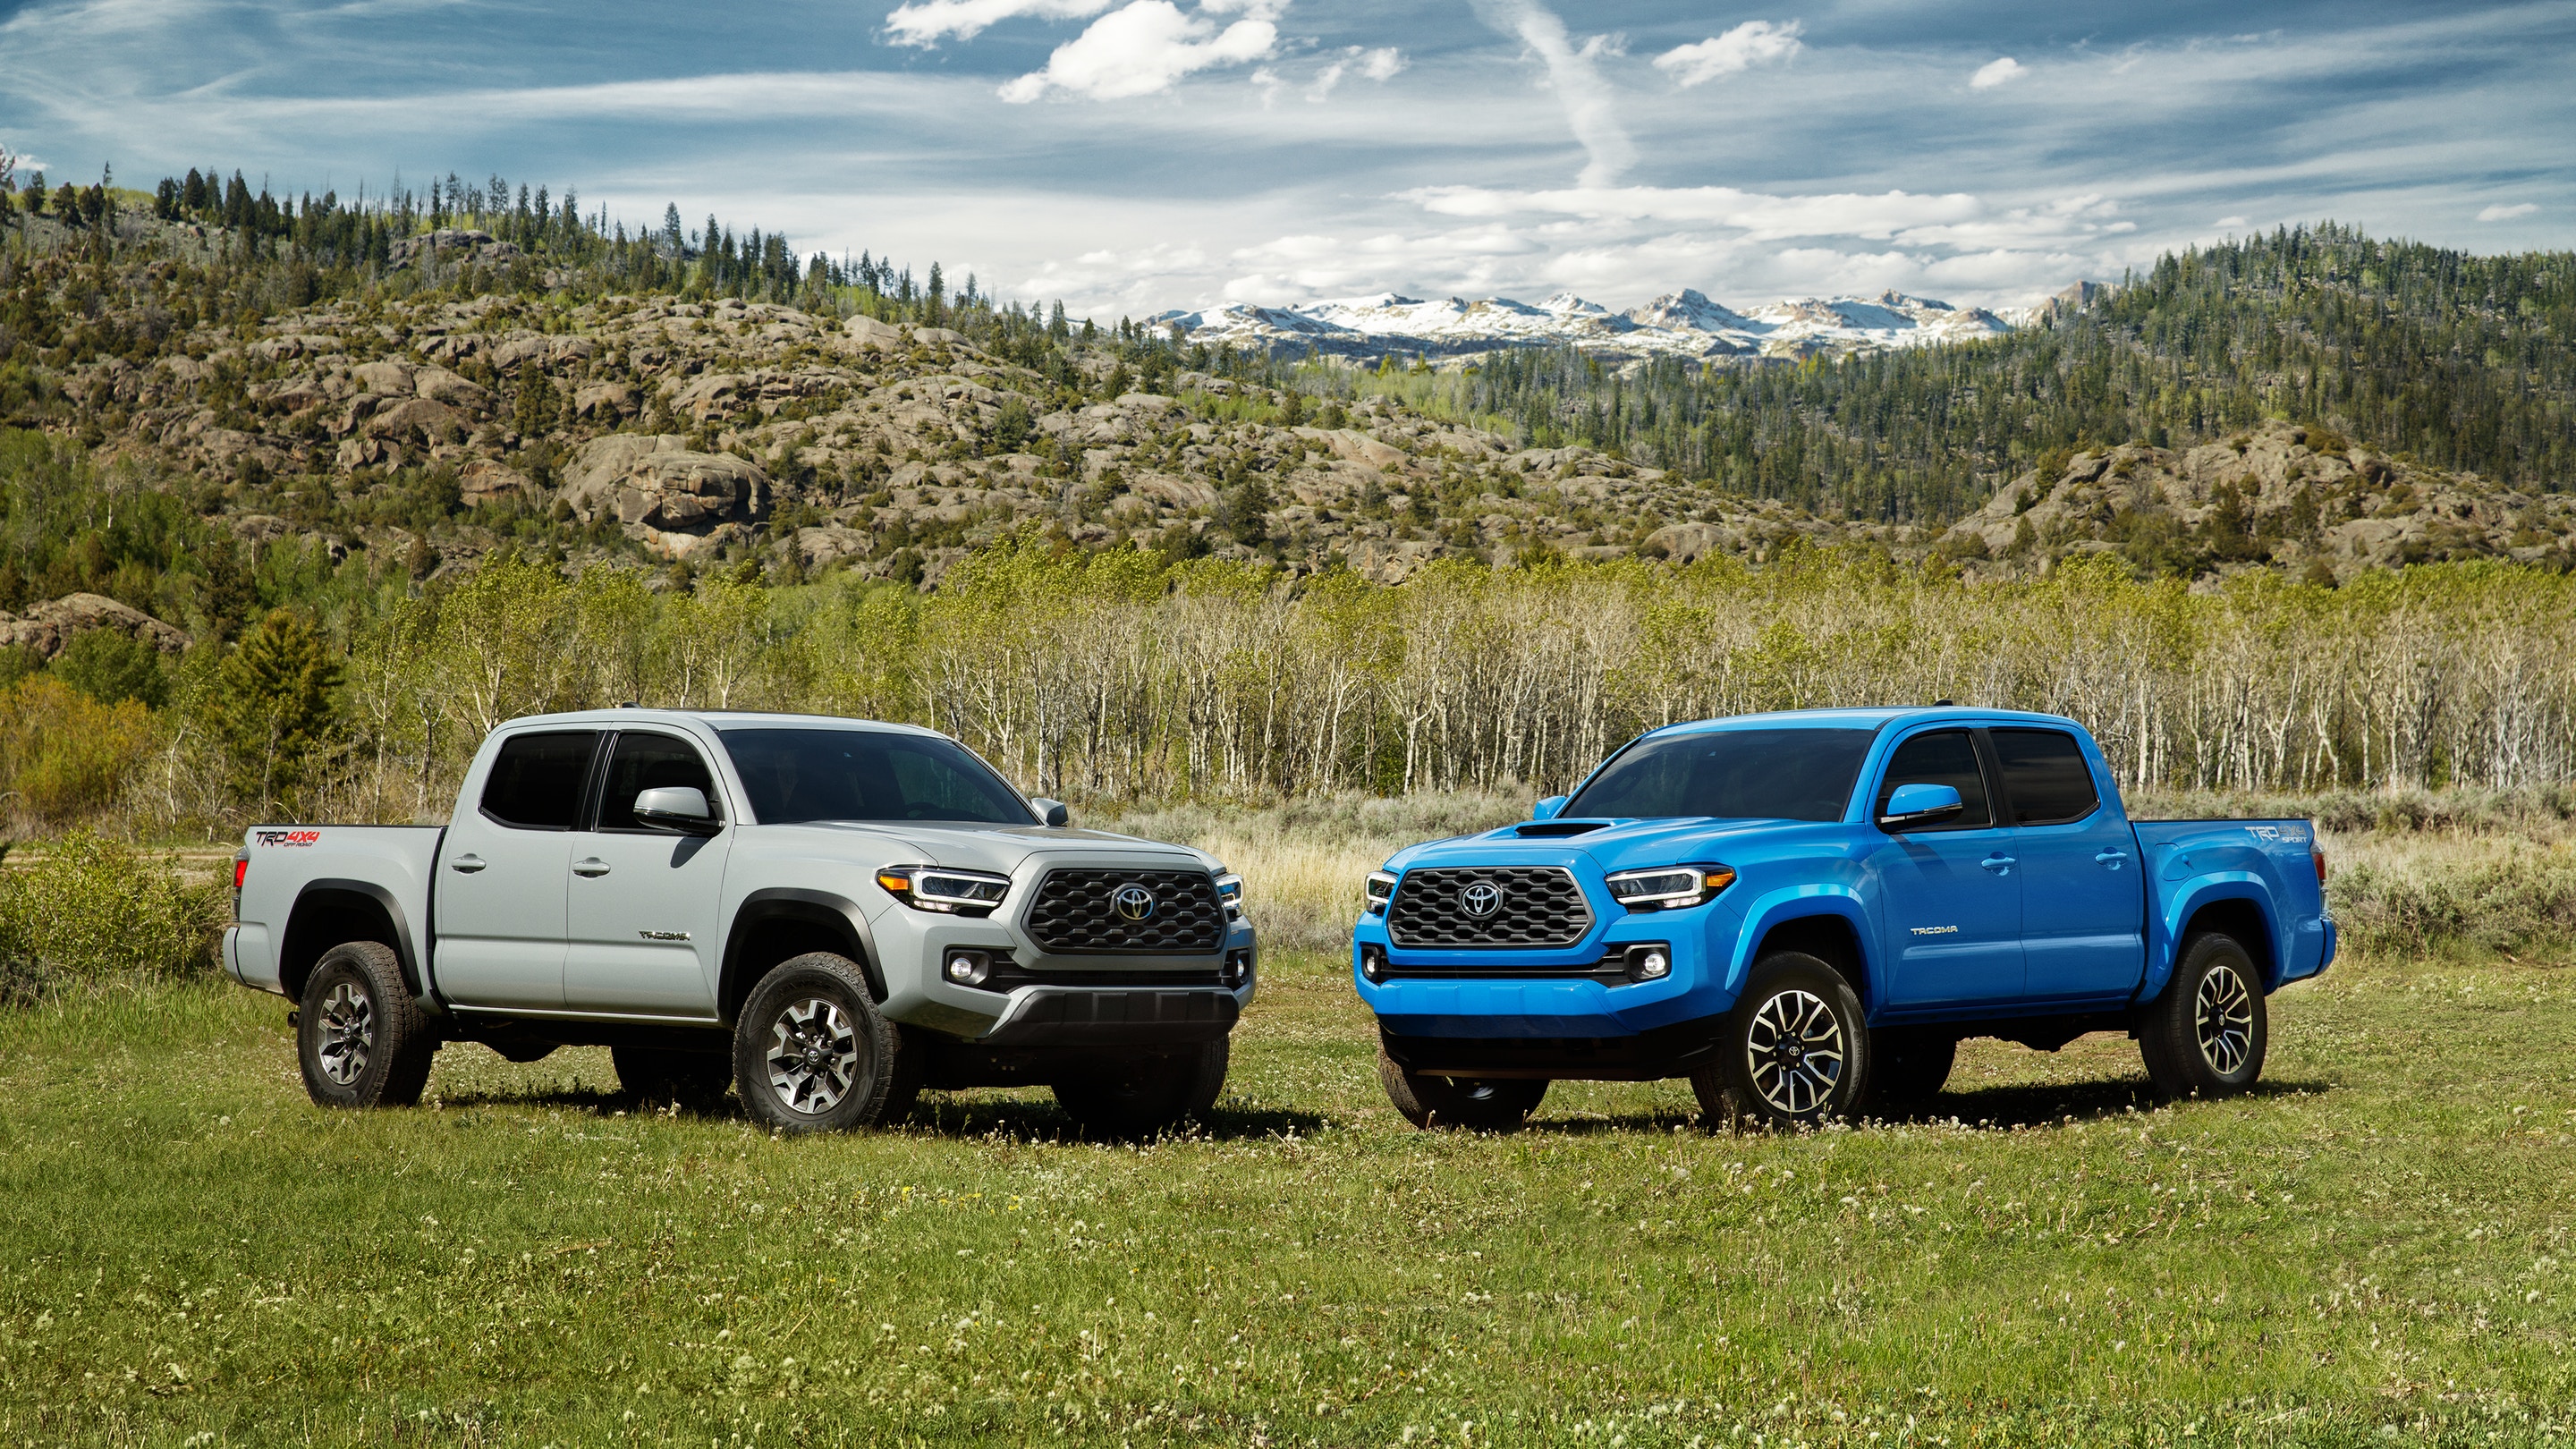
(1488, 907)
(1080, 911)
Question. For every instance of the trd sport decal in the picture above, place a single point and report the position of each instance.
(287, 837)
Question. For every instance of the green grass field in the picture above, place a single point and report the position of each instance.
(2373, 1249)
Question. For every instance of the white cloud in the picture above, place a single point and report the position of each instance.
(2234, 222)
(1579, 86)
(1755, 42)
(1381, 64)
(2502, 212)
(1144, 47)
(1995, 72)
(1760, 215)
(926, 21)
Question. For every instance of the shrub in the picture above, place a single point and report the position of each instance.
(89, 911)
(64, 755)
(111, 667)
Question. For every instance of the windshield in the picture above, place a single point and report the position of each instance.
(797, 775)
(1792, 774)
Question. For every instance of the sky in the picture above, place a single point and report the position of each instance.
(1132, 156)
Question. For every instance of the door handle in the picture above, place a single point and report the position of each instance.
(592, 866)
(467, 864)
(2111, 858)
(1999, 864)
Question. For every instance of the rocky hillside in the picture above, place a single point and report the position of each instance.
(696, 432)
(425, 425)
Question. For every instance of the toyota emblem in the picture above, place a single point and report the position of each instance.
(1132, 902)
(1481, 899)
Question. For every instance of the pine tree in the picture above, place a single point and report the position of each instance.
(273, 712)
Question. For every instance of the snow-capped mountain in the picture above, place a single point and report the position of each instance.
(1684, 323)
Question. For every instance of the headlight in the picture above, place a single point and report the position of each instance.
(937, 888)
(1670, 887)
(1381, 889)
(1229, 893)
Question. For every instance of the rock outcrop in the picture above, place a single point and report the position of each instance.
(45, 628)
(670, 498)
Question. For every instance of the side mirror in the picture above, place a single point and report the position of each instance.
(1548, 809)
(1051, 812)
(680, 809)
(1913, 806)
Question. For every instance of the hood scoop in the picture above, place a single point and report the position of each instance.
(1558, 829)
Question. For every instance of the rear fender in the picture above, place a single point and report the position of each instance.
(2174, 917)
(1795, 903)
(328, 911)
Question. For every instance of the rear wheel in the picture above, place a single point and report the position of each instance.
(2206, 1035)
(361, 1039)
(811, 1052)
(1140, 1096)
(1475, 1104)
(1793, 1053)
(696, 1080)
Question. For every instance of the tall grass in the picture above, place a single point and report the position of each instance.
(87, 911)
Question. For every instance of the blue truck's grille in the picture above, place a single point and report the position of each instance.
(1504, 907)
(1077, 912)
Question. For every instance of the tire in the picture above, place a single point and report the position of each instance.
(1908, 1065)
(1472, 1104)
(1793, 1053)
(360, 1037)
(811, 1052)
(2206, 1035)
(695, 1080)
(1137, 1097)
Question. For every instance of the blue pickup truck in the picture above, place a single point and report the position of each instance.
(1804, 914)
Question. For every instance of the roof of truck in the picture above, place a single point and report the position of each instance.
(1857, 719)
(721, 719)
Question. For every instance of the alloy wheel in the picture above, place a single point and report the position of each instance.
(813, 1055)
(2223, 1019)
(348, 1033)
(1795, 1050)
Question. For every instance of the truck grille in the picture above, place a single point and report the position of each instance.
(1533, 906)
(1079, 912)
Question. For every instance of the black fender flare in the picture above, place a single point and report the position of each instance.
(415, 971)
(837, 915)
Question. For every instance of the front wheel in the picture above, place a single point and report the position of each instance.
(811, 1053)
(2206, 1035)
(1793, 1053)
(360, 1037)
(1476, 1104)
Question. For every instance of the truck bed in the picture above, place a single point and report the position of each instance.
(392, 864)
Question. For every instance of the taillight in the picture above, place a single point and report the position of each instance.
(2317, 853)
(241, 872)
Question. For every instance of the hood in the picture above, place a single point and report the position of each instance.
(1610, 845)
(999, 848)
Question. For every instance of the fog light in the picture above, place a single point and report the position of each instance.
(1236, 971)
(967, 967)
(1372, 963)
(1649, 963)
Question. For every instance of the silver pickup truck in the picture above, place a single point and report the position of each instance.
(827, 914)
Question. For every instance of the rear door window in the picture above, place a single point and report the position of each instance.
(2045, 776)
(537, 780)
(1941, 757)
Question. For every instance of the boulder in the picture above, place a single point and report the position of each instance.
(604, 401)
(668, 496)
(873, 335)
(1686, 542)
(484, 481)
(820, 546)
(440, 385)
(451, 245)
(48, 626)
(433, 422)
(938, 337)
(386, 379)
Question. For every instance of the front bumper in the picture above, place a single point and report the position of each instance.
(1555, 994)
(1051, 1000)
